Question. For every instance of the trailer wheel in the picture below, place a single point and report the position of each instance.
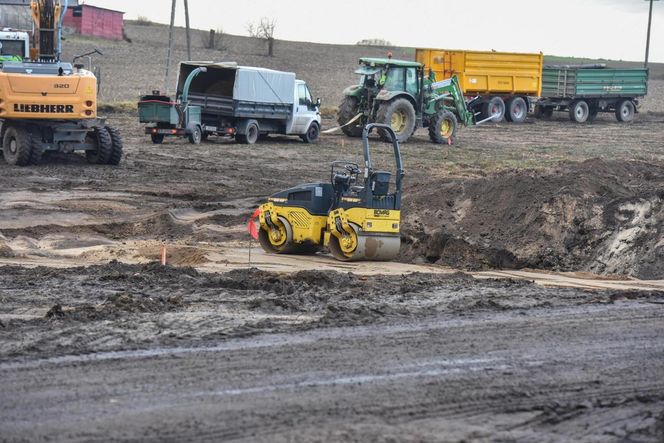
(116, 144)
(157, 139)
(517, 110)
(579, 111)
(593, 110)
(312, 134)
(543, 112)
(17, 146)
(494, 107)
(348, 109)
(625, 111)
(443, 128)
(196, 136)
(104, 146)
(399, 114)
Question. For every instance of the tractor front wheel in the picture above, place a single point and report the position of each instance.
(399, 114)
(443, 128)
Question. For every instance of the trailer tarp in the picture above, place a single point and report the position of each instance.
(264, 86)
(248, 84)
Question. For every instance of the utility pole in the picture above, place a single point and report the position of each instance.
(186, 18)
(645, 64)
(170, 47)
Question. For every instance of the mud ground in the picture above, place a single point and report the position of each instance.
(144, 351)
(97, 341)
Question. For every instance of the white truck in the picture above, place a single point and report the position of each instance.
(14, 45)
(248, 103)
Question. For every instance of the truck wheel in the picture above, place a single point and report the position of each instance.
(494, 107)
(196, 136)
(157, 139)
(104, 146)
(443, 128)
(116, 145)
(250, 136)
(579, 111)
(17, 146)
(348, 109)
(625, 111)
(312, 134)
(400, 115)
(517, 110)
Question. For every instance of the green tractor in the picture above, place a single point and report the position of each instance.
(399, 94)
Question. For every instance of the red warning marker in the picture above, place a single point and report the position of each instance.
(251, 224)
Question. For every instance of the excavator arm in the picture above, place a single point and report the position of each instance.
(48, 16)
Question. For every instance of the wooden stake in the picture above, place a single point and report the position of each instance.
(163, 255)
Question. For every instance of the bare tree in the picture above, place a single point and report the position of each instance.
(213, 39)
(264, 30)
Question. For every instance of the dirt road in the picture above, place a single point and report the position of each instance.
(143, 351)
(587, 375)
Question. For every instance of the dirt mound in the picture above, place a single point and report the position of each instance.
(176, 255)
(600, 216)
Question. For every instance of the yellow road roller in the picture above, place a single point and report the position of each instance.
(356, 216)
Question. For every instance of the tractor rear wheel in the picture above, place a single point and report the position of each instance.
(17, 146)
(99, 137)
(157, 139)
(399, 114)
(517, 110)
(625, 111)
(348, 109)
(443, 128)
(116, 146)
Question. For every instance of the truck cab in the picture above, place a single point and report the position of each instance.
(305, 120)
(14, 45)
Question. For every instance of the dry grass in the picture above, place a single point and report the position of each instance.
(130, 70)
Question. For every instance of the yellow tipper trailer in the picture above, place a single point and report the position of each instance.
(504, 81)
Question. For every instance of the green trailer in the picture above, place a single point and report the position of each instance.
(585, 90)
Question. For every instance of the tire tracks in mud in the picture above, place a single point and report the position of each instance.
(578, 374)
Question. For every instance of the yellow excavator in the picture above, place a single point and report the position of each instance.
(356, 215)
(50, 105)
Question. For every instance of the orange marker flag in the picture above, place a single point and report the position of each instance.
(251, 224)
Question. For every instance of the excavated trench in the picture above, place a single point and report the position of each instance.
(600, 216)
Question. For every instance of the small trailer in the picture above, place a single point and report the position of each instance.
(585, 90)
(225, 99)
(164, 117)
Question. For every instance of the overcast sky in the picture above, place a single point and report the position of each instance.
(612, 29)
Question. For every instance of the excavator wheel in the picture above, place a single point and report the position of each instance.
(17, 146)
(100, 137)
(116, 145)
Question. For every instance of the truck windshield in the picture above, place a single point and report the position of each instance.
(12, 47)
